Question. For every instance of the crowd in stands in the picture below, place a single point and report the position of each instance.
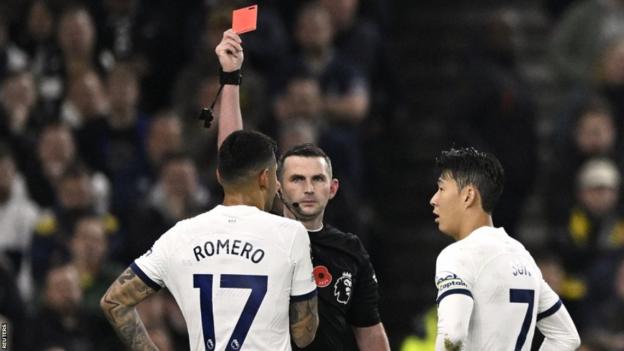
(101, 150)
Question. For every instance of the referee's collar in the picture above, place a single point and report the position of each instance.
(317, 229)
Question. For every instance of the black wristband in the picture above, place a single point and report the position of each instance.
(230, 78)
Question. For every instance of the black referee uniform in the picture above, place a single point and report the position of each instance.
(347, 289)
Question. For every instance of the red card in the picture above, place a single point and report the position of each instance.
(244, 20)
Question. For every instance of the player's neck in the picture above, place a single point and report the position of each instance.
(472, 222)
(312, 224)
(243, 198)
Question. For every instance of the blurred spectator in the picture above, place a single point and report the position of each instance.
(345, 90)
(19, 117)
(494, 112)
(301, 99)
(609, 78)
(176, 195)
(18, 99)
(55, 151)
(86, 100)
(88, 248)
(152, 35)
(37, 38)
(582, 34)
(39, 41)
(296, 132)
(114, 141)
(593, 134)
(607, 82)
(119, 27)
(76, 38)
(77, 197)
(12, 58)
(164, 137)
(18, 216)
(356, 38)
(608, 327)
(595, 225)
(60, 322)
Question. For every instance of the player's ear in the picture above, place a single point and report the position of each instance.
(333, 188)
(263, 178)
(219, 177)
(469, 196)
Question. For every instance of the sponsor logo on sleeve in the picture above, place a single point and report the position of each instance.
(449, 280)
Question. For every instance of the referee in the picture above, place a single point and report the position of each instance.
(346, 284)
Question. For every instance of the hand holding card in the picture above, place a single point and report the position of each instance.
(244, 19)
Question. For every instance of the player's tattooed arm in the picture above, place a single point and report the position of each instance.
(118, 306)
(303, 321)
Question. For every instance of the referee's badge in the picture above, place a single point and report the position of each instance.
(343, 288)
(322, 276)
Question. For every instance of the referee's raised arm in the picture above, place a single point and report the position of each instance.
(231, 56)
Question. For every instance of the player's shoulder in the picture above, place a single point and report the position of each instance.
(329, 230)
(279, 221)
(453, 251)
(337, 237)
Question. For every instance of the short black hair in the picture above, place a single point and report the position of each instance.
(303, 150)
(243, 153)
(468, 166)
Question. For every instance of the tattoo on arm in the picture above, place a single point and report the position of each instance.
(118, 306)
(450, 346)
(303, 321)
(128, 274)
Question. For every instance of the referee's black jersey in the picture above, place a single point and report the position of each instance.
(347, 289)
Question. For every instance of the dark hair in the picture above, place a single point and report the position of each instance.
(303, 150)
(594, 104)
(75, 170)
(244, 152)
(467, 166)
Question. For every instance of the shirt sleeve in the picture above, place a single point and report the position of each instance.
(554, 321)
(364, 311)
(151, 267)
(453, 275)
(303, 286)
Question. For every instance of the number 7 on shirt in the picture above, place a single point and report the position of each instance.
(258, 286)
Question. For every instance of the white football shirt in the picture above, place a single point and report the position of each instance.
(507, 287)
(233, 271)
